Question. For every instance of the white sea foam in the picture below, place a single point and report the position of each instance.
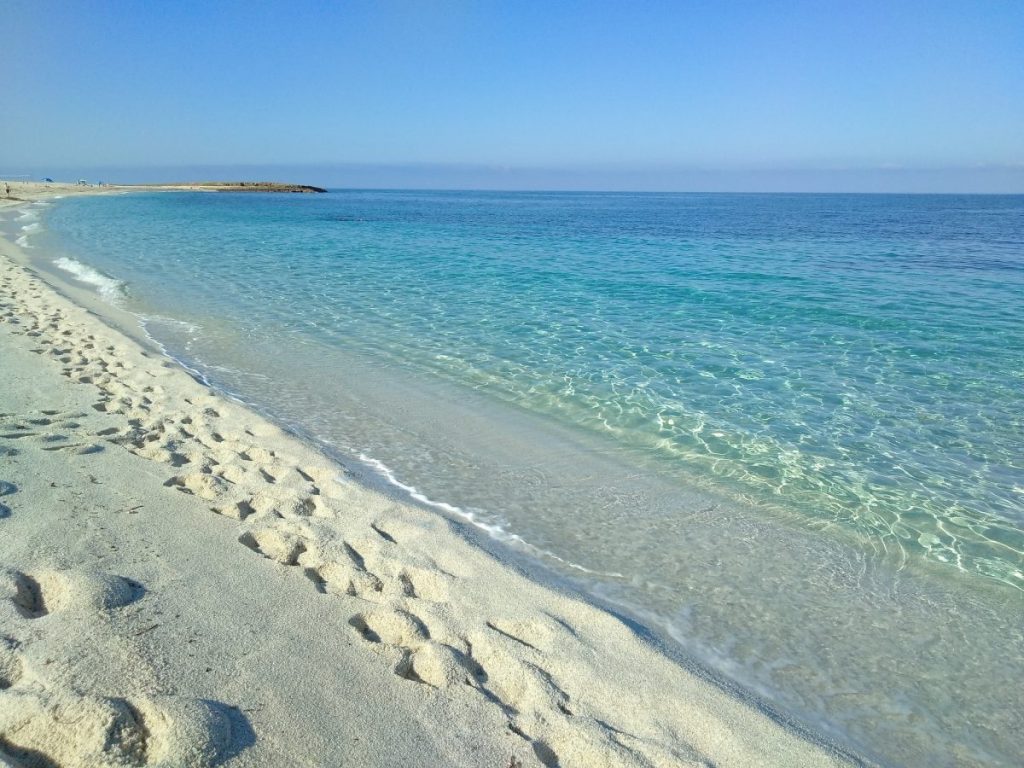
(190, 328)
(27, 230)
(107, 287)
(28, 216)
(491, 529)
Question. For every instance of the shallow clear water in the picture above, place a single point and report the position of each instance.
(784, 429)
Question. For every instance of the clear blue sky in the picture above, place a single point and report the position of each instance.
(699, 94)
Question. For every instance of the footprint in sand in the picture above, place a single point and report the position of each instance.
(419, 658)
(335, 568)
(57, 727)
(504, 663)
(11, 666)
(38, 594)
(49, 429)
(43, 725)
(283, 547)
(6, 489)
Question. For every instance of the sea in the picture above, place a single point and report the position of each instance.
(780, 435)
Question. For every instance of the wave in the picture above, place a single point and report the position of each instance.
(32, 227)
(144, 320)
(107, 287)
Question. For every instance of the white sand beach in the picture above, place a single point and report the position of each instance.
(182, 583)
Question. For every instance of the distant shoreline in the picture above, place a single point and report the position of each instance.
(235, 186)
(13, 191)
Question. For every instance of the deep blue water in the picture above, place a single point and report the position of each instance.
(849, 367)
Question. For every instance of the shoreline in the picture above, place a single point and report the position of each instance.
(530, 673)
(43, 189)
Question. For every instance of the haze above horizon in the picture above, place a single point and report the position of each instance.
(737, 96)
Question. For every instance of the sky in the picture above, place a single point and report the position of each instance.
(694, 95)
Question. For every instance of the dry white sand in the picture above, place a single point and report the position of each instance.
(184, 584)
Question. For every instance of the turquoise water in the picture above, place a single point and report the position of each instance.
(784, 430)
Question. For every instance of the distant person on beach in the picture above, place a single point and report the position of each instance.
(7, 189)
